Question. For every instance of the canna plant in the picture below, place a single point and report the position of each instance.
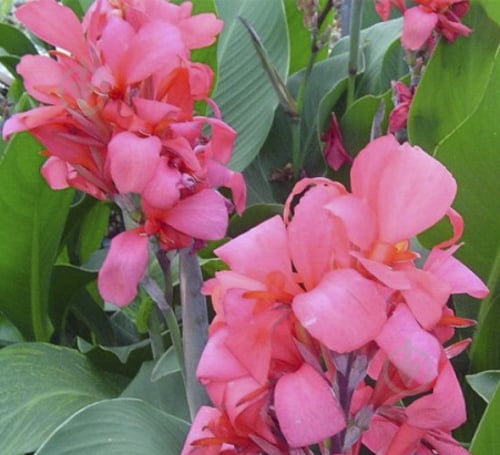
(322, 171)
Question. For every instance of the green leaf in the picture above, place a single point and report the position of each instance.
(243, 93)
(117, 427)
(8, 332)
(67, 280)
(166, 393)
(41, 385)
(463, 136)
(15, 42)
(251, 217)
(487, 437)
(454, 82)
(166, 365)
(125, 360)
(484, 383)
(33, 216)
(492, 8)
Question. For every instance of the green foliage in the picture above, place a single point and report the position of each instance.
(116, 427)
(33, 217)
(40, 386)
(244, 95)
(487, 438)
(484, 383)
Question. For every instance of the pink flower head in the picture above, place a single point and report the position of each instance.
(402, 99)
(442, 16)
(118, 121)
(383, 7)
(328, 303)
(334, 152)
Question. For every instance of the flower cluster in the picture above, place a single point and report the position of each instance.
(119, 91)
(327, 319)
(428, 19)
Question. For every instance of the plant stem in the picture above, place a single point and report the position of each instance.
(168, 311)
(354, 29)
(194, 326)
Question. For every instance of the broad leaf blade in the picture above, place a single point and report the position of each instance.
(487, 437)
(33, 217)
(41, 385)
(244, 94)
(117, 427)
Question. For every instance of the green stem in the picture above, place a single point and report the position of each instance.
(168, 311)
(194, 326)
(354, 29)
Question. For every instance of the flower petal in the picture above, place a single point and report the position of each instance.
(123, 267)
(306, 408)
(410, 348)
(418, 24)
(202, 215)
(344, 311)
(133, 161)
(56, 24)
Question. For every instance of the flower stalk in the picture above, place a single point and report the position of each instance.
(354, 29)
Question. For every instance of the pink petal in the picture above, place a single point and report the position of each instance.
(426, 297)
(55, 172)
(31, 119)
(358, 218)
(315, 236)
(344, 311)
(408, 189)
(163, 190)
(418, 24)
(259, 251)
(56, 24)
(222, 141)
(43, 78)
(157, 46)
(200, 430)
(412, 350)
(123, 267)
(444, 408)
(460, 278)
(394, 279)
(219, 175)
(306, 408)
(200, 30)
(202, 216)
(217, 362)
(133, 161)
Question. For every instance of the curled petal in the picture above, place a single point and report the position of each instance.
(123, 267)
(162, 191)
(306, 408)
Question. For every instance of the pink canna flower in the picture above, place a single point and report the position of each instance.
(383, 7)
(402, 99)
(334, 152)
(443, 16)
(330, 304)
(119, 119)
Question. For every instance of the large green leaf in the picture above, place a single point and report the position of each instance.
(15, 42)
(244, 94)
(32, 221)
(466, 141)
(454, 82)
(118, 427)
(487, 437)
(41, 385)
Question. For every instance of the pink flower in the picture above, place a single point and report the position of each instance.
(402, 100)
(443, 16)
(383, 7)
(334, 152)
(119, 124)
